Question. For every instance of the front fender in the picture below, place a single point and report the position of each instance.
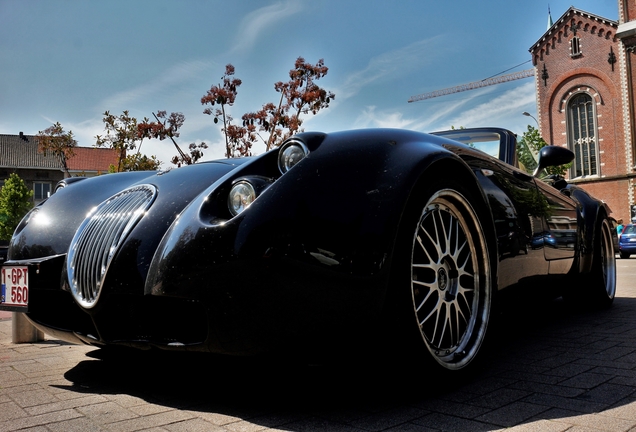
(49, 228)
(337, 212)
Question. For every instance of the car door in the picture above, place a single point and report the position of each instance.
(518, 208)
(560, 226)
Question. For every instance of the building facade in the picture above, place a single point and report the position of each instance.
(585, 94)
(19, 154)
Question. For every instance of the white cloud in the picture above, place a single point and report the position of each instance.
(502, 111)
(256, 22)
(85, 132)
(436, 113)
(185, 71)
(371, 117)
(496, 110)
(392, 64)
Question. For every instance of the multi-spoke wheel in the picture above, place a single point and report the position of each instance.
(451, 283)
(602, 280)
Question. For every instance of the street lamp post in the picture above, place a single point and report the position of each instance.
(527, 114)
(532, 151)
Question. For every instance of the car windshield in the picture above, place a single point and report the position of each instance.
(487, 141)
(629, 229)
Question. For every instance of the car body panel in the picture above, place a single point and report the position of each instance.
(309, 261)
(627, 240)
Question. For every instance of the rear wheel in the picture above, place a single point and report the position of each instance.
(624, 255)
(601, 282)
(451, 283)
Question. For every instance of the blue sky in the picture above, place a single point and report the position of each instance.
(69, 61)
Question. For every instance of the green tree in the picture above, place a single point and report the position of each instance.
(123, 135)
(138, 162)
(15, 202)
(528, 148)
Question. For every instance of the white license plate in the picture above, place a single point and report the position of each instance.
(15, 286)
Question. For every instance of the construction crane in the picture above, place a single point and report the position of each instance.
(527, 73)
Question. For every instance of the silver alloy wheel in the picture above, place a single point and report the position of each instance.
(450, 279)
(608, 260)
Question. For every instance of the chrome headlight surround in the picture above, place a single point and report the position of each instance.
(241, 195)
(290, 153)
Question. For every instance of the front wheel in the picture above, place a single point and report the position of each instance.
(451, 283)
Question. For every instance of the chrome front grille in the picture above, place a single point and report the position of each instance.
(99, 238)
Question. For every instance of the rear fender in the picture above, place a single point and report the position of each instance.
(590, 210)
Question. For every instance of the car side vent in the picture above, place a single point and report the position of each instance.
(99, 237)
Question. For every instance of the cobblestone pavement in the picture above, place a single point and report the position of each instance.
(548, 368)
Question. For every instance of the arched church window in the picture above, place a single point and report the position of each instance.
(582, 138)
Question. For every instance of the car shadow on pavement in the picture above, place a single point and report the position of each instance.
(543, 360)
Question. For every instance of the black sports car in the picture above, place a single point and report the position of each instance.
(330, 238)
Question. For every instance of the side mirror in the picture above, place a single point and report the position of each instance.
(553, 156)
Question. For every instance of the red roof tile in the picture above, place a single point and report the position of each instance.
(92, 159)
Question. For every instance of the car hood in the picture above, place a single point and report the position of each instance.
(54, 222)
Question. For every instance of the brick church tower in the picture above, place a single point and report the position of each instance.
(585, 76)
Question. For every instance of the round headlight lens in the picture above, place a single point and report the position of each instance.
(241, 196)
(290, 154)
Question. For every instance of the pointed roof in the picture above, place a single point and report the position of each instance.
(563, 21)
(550, 23)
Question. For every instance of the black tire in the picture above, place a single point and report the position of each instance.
(624, 255)
(600, 284)
(449, 276)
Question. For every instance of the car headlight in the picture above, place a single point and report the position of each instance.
(290, 154)
(241, 196)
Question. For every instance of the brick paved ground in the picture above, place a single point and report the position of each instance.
(549, 368)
